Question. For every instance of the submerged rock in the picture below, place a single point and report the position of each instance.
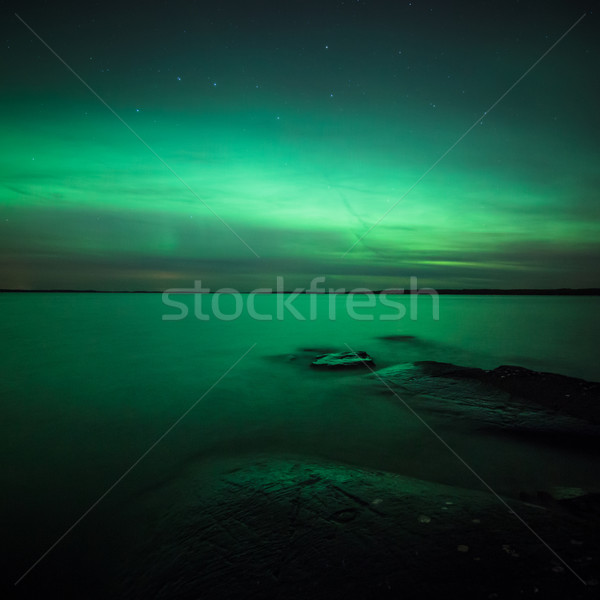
(398, 338)
(343, 360)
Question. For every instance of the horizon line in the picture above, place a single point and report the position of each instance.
(391, 291)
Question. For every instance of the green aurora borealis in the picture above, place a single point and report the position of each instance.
(300, 124)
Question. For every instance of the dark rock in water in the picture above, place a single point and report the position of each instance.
(398, 338)
(298, 529)
(512, 398)
(343, 360)
(569, 395)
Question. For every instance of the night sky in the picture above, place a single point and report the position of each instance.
(298, 125)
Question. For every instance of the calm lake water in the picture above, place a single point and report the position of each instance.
(91, 381)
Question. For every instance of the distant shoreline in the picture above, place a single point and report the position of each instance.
(441, 292)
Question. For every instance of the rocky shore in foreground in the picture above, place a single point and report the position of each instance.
(296, 528)
(300, 527)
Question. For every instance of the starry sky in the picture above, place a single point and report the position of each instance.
(255, 139)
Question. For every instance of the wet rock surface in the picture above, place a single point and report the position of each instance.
(508, 397)
(292, 528)
(566, 395)
(343, 360)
